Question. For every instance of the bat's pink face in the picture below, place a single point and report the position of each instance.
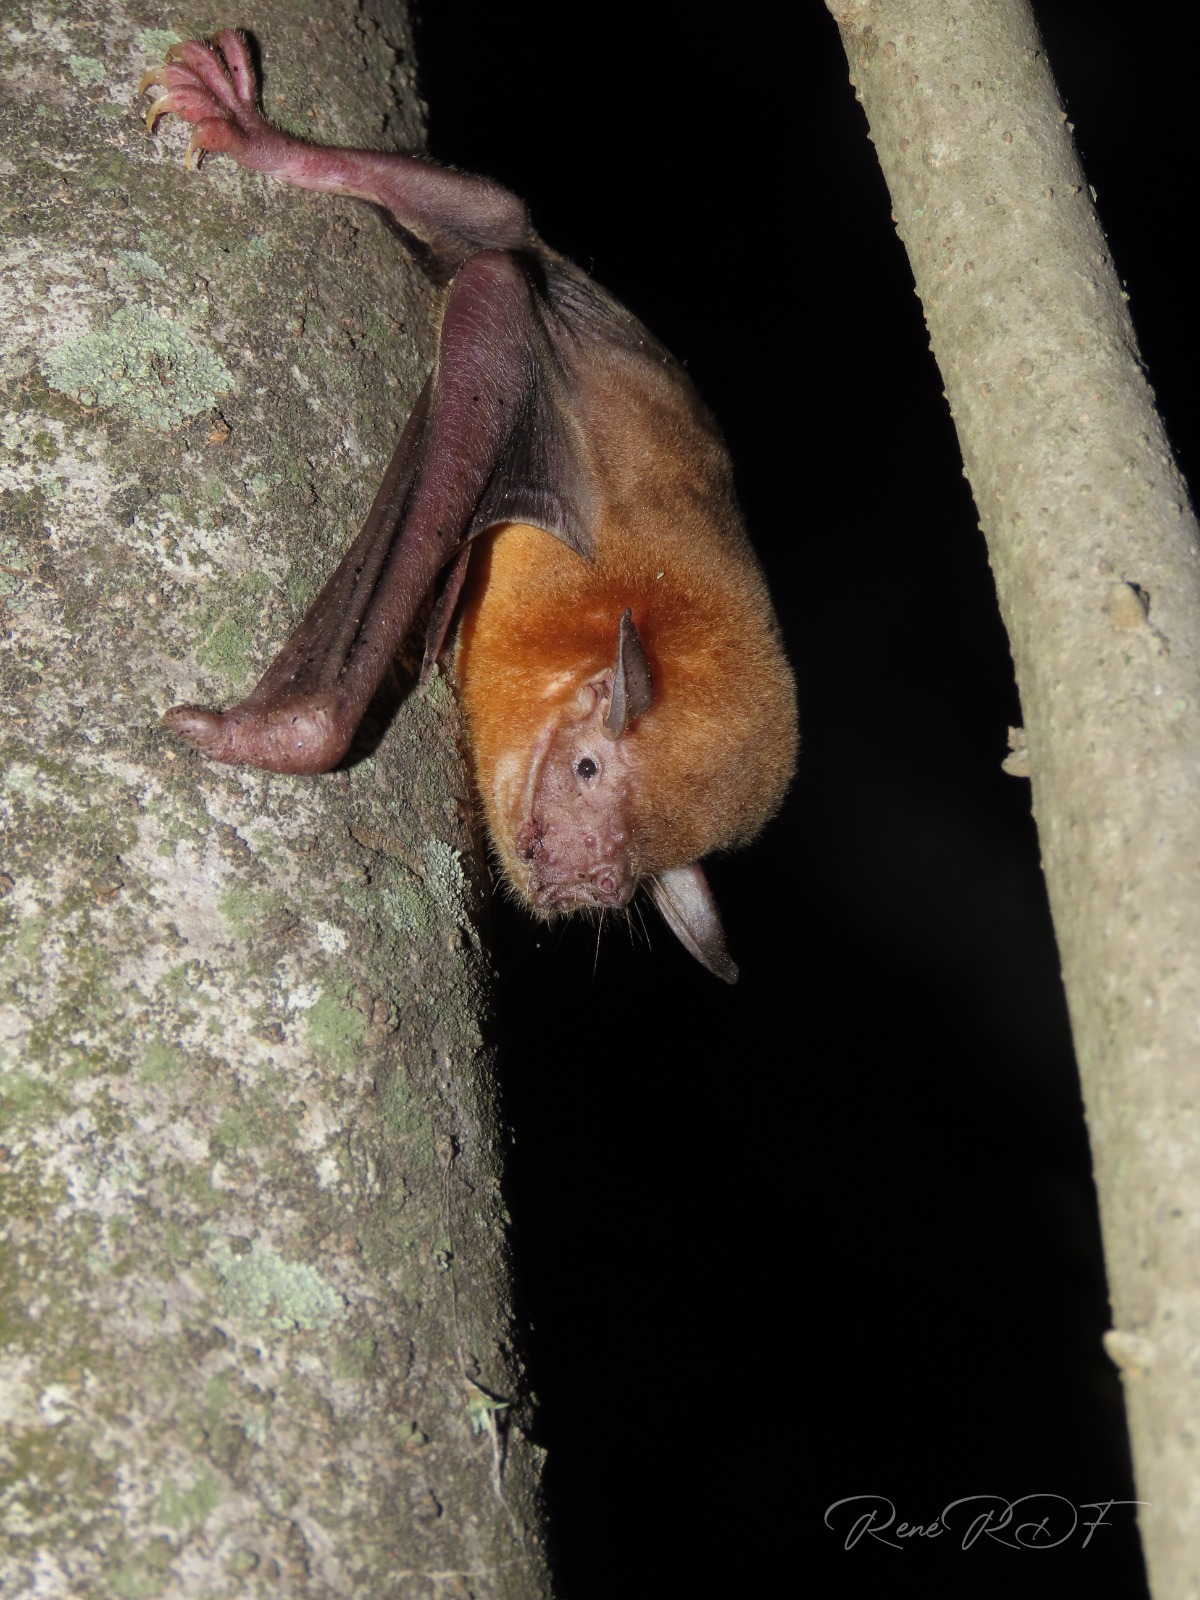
(570, 810)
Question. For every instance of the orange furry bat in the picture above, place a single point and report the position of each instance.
(627, 699)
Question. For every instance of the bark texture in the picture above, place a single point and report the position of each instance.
(1094, 548)
(254, 1336)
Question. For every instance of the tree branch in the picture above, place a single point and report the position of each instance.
(1094, 549)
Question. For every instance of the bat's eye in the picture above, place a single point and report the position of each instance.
(586, 768)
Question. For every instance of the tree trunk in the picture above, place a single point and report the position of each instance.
(256, 1329)
(1094, 550)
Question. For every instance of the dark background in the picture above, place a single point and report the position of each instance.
(831, 1232)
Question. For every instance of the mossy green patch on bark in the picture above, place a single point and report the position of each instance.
(230, 640)
(141, 366)
(335, 1030)
(263, 1290)
(185, 1505)
(152, 44)
(87, 69)
(408, 1122)
(135, 266)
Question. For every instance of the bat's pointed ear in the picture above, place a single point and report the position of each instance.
(689, 910)
(633, 692)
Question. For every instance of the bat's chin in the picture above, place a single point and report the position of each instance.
(606, 891)
(567, 845)
(564, 867)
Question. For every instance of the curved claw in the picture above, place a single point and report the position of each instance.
(160, 108)
(212, 85)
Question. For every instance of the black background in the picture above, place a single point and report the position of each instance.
(831, 1232)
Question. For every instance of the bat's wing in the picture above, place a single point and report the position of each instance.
(539, 479)
(490, 440)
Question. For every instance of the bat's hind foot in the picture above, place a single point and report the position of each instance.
(213, 86)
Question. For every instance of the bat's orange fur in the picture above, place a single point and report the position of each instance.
(715, 751)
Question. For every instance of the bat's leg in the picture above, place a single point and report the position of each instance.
(302, 715)
(213, 87)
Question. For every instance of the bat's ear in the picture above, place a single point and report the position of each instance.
(633, 692)
(686, 902)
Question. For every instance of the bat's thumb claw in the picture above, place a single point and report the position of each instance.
(308, 733)
(204, 730)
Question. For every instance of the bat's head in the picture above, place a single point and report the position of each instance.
(614, 747)
(576, 846)
(572, 809)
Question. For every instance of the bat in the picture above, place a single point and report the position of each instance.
(628, 703)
